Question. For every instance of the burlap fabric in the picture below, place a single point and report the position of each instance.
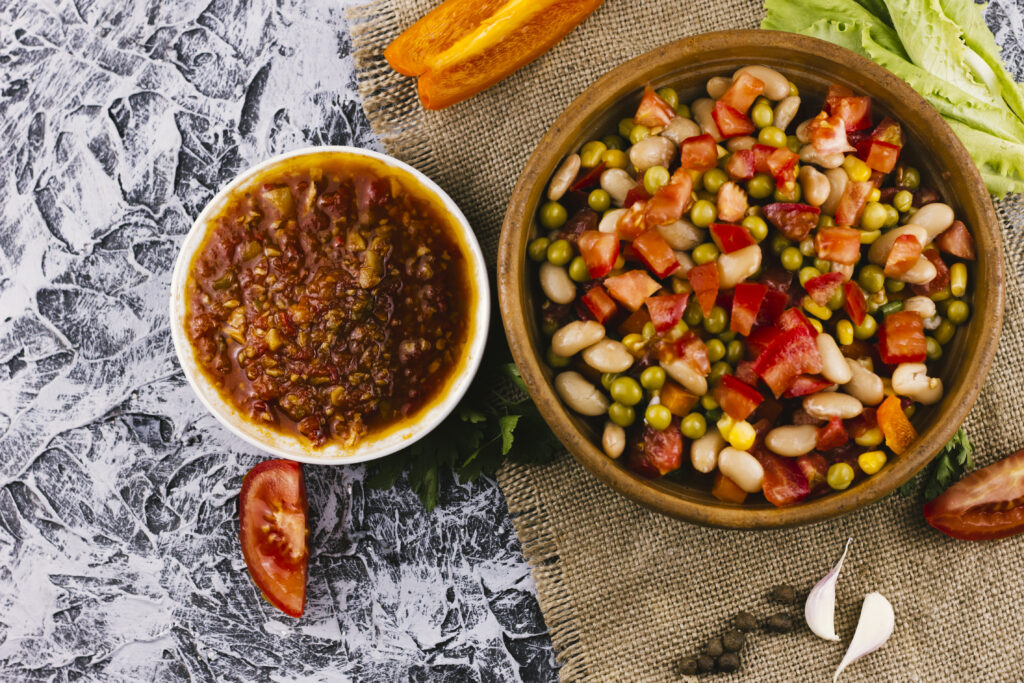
(625, 592)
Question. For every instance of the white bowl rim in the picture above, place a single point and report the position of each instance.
(291, 447)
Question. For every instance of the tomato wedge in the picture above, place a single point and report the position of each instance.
(740, 165)
(599, 251)
(832, 435)
(631, 224)
(828, 134)
(878, 155)
(957, 241)
(742, 93)
(679, 401)
(822, 287)
(599, 304)
(941, 279)
(704, 279)
(795, 221)
(746, 304)
(854, 111)
(667, 310)
(731, 122)
(632, 288)
(273, 532)
(901, 338)
(670, 200)
(736, 398)
(837, 244)
(784, 480)
(902, 256)
(852, 202)
(856, 304)
(730, 238)
(653, 110)
(699, 153)
(986, 504)
(655, 253)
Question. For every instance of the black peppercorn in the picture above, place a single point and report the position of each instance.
(730, 661)
(733, 641)
(714, 647)
(688, 666)
(745, 621)
(783, 594)
(705, 664)
(780, 622)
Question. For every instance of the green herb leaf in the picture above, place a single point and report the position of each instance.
(507, 424)
(952, 462)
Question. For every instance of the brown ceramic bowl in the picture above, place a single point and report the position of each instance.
(812, 65)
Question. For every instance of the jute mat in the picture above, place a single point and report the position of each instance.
(626, 592)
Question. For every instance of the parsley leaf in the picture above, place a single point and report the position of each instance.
(949, 466)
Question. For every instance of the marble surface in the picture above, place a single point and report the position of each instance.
(119, 557)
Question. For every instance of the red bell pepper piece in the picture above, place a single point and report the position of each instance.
(736, 398)
(732, 202)
(815, 469)
(699, 153)
(599, 304)
(854, 111)
(691, 349)
(941, 279)
(902, 256)
(957, 241)
(852, 202)
(746, 304)
(794, 317)
(731, 123)
(663, 449)
(795, 221)
(790, 355)
(740, 165)
(861, 424)
(667, 310)
(599, 250)
(832, 435)
(879, 156)
(784, 481)
(588, 179)
(655, 253)
(636, 194)
(670, 200)
(730, 238)
(631, 224)
(828, 134)
(653, 110)
(704, 280)
(632, 288)
(856, 304)
(782, 164)
(805, 385)
(742, 93)
(839, 245)
(760, 339)
(821, 288)
(901, 338)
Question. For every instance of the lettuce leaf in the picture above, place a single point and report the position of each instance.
(797, 15)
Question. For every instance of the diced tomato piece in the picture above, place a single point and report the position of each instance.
(861, 424)
(879, 156)
(746, 303)
(794, 317)
(666, 310)
(791, 354)
(901, 338)
(699, 153)
(888, 131)
(957, 241)
(856, 304)
(730, 238)
(852, 202)
(771, 308)
(761, 155)
(631, 224)
(634, 323)
(736, 398)
(835, 93)
(815, 469)
(632, 288)
(742, 93)
(653, 110)
(828, 134)
(740, 165)
(599, 250)
(599, 304)
(589, 179)
(941, 279)
(854, 111)
(745, 373)
(795, 221)
(760, 339)
(636, 194)
(832, 435)
(704, 280)
(893, 422)
(679, 401)
(821, 287)
(782, 165)
(902, 256)
(654, 251)
(670, 200)
(691, 349)
(784, 481)
(732, 202)
(985, 505)
(726, 490)
(839, 245)
(805, 385)
(731, 123)
(663, 449)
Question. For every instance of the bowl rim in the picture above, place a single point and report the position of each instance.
(396, 438)
(650, 493)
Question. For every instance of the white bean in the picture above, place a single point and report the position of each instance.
(701, 110)
(844, 269)
(792, 440)
(704, 451)
(610, 220)
(826, 404)
(683, 372)
(653, 150)
(864, 385)
(617, 183)
(837, 180)
(679, 129)
(563, 177)
(576, 336)
(580, 395)
(933, 322)
(935, 218)
(556, 284)
(776, 86)
(922, 272)
(921, 305)
(809, 155)
(785, 112)
(833, 362)
(681, 235)
(815, 185)
(803, 131)
(717, 85)
(879, 251)
(912, 380)
(608, 355)
(737, 266)
(613, 440)
(743, 468)
(686, 263)
(740, 143)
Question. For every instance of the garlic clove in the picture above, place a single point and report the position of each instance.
(820, 608)
(875, 626)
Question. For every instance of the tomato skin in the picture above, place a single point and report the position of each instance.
(789, 355)
(730, 238)
(986, 504)
(600, 305)
(856, 304)
(274, 497)
(806, 385)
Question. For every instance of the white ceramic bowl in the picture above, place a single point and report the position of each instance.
(375, 445)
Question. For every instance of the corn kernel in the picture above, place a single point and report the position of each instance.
(870, 438)
(708, 402)
(958, 279)
(816, 325)
(940, 295)
(634, 343)
(856, 169)
(722, 151)
(844, 328)
(875, 195)
(725, 425)
(742, 436)
(817, 311)
(871, 461)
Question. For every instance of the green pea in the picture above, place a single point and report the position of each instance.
(599, 200)
(556, 361)
(538, 249)
(772, 136)
(627, 391)
(624, 416)
(793, 194)
(779, 243)
(871, 278)
(549, 327)
(654, 178)
(944, 332)
(903, 201)
(708, 403)
(648, 331)
(933, 349)
(807, 247)
(958, 312)
(719, 370)
(762, 115)
(807, 273)
(894, 285)
(658, 416)
(836, 301)
(703, 213)
(652, 378)
(716, 350)
(717, 320)
(892, 216)
(866, 329)
(626, 127)
(734, 351)
(615, 158)
(693, 315)
(823, 265)
(578, 271)
(727, 336)
(607, 378)
(873, 217)
(826, 221)
(756, 226)
(911, 178)
(840, 476)
(614, 141)
(704, 253)
(794, 144)
(638, 133)
(694, 426)
(590, 154)
(670, 96)
(791, 259)
(714, 179)
(760, 186)
(684, 111)
(553, 215)
(890, 308)
(559, 252)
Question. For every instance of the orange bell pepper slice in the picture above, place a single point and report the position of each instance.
(726, 490)
(465, 46)
(898, 431)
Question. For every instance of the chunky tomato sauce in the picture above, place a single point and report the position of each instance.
(331, 298)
